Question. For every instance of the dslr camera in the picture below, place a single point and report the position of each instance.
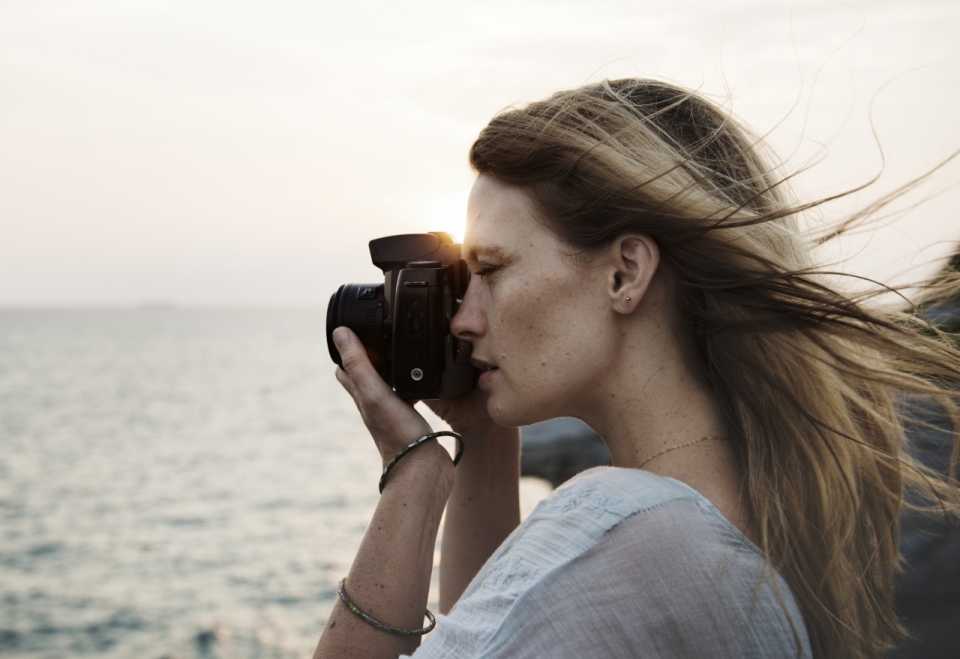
(404, 323)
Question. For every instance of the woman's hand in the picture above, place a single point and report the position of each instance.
(485, 492)
(467, 413)
(390, 576)
(392, 422)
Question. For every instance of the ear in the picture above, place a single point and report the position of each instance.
(634, 258)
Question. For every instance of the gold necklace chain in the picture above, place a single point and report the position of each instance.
(674, 448)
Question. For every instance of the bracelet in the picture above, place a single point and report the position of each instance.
(410, 447)
(382, 626)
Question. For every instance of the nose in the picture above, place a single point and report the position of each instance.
(468, 324)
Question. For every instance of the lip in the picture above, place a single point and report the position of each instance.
(487, 371)
(481, 364)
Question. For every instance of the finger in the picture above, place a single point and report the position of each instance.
(346, 382)
(366, 383)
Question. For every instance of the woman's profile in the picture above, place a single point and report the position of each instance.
(637, 264)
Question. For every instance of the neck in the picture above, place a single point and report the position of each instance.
(651, 403)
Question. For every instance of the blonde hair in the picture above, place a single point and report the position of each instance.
(814, 383)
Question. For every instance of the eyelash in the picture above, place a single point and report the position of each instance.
(486, 270)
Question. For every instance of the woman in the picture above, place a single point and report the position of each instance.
(636, 265)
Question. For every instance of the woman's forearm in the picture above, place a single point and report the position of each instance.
(390, 576)
(483, 509)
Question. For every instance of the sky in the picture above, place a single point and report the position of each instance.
(242, 154)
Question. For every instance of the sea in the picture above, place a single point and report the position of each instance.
(177, 483)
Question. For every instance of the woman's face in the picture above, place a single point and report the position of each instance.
(541, 327)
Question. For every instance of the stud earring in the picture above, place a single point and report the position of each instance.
(628, 299)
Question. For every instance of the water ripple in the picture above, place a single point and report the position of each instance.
(174, 483)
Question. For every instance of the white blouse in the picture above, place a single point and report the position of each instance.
(623, 563)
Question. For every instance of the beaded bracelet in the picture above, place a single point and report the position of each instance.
(410, 447)
(380, 625)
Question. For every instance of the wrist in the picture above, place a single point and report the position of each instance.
(427, 463)
(491, 463)
(495, 443)
(431, 449)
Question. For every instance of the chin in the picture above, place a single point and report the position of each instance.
(512, 411)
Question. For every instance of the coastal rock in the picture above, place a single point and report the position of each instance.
(559, 449)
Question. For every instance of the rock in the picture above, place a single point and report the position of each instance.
(206, 638)
(927, 592)
(558, 449)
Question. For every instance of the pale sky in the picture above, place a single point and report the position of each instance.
(242, 154)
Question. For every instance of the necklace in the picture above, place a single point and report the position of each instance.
(674, 448)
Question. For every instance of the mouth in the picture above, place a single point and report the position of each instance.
(487, 370)
(482, 365)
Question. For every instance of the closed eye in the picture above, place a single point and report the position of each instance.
(486, 270)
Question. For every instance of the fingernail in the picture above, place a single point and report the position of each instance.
(341, 338)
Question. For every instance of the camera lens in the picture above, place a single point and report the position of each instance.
(360, 307)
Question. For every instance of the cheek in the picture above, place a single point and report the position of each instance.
(548, 335)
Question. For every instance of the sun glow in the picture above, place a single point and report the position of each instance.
(446, 213)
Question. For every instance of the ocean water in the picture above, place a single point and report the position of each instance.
(176, 483)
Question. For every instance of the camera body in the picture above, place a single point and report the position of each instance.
(404, 323)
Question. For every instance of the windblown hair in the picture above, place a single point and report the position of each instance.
(814, 383)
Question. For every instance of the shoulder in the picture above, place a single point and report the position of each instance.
(622, 562)
(665, 582)
(589, 506)
(611, 494)
(658, 535)
(579, 515)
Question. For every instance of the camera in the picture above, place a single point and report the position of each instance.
(404, 323)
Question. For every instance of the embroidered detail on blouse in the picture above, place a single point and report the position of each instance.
(585, 495)
(510, 572)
